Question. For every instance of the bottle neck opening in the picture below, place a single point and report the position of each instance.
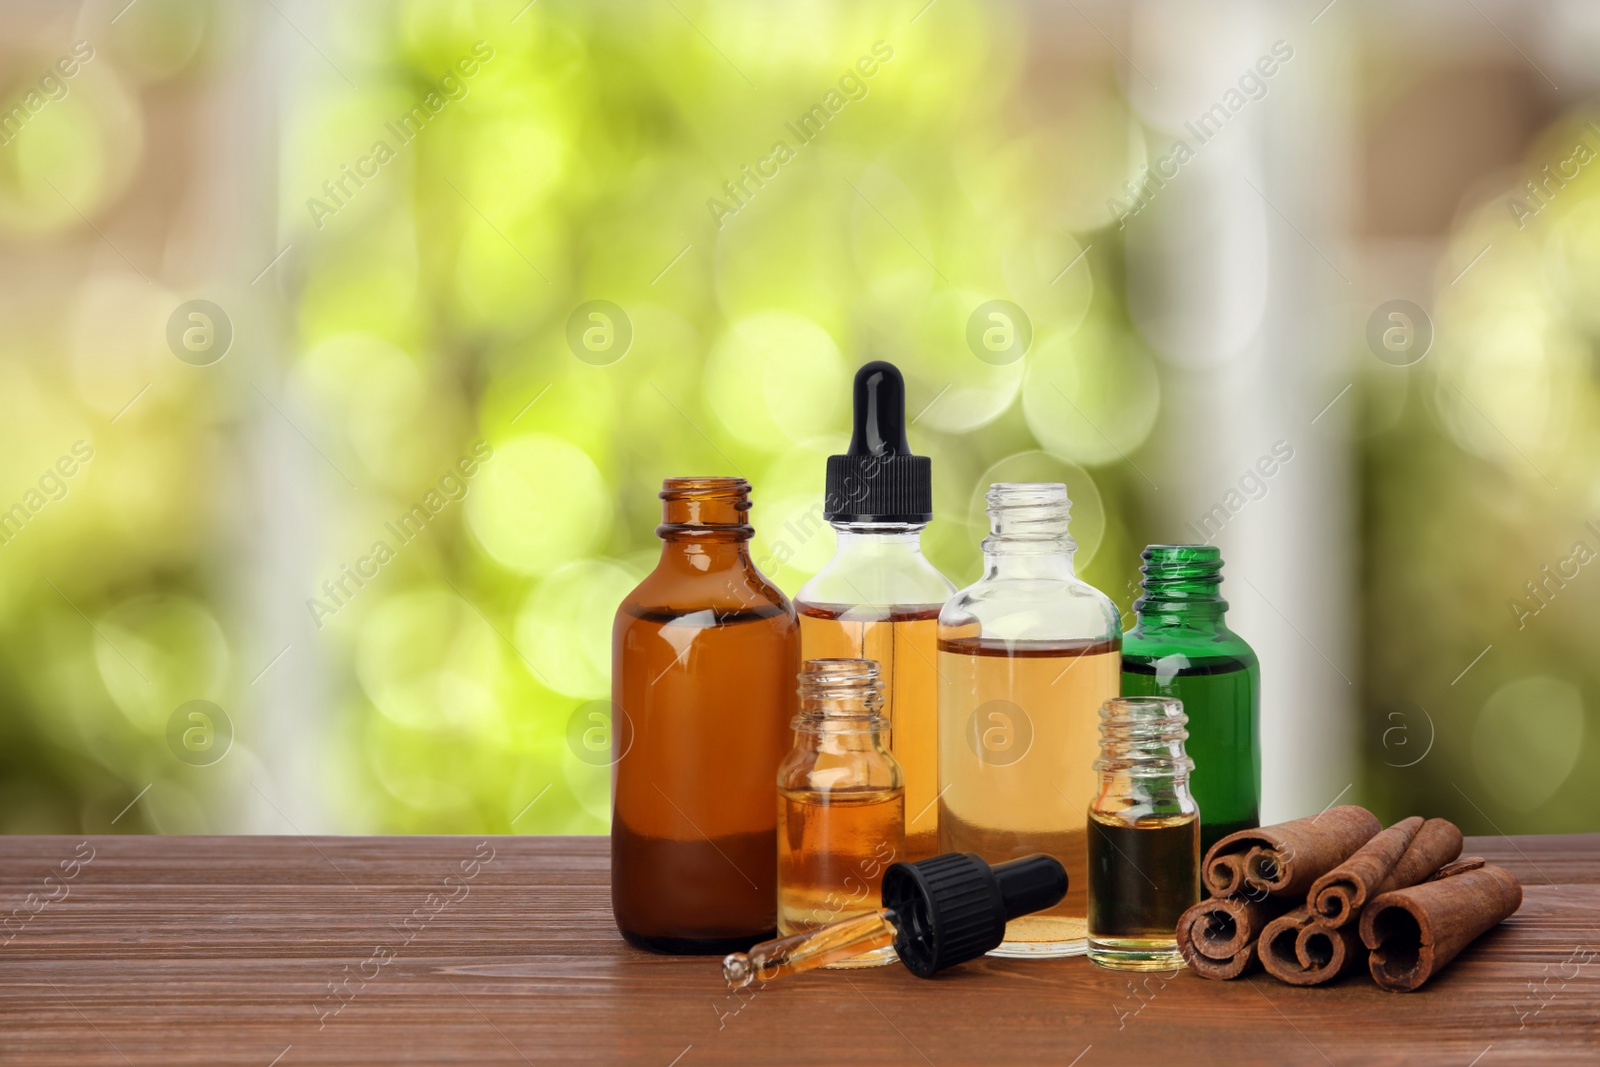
(840, 696)
(1143, 737)
(1028, 519)
(1181, 586)
(709, 510)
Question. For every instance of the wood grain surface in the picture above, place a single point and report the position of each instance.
(286, 951)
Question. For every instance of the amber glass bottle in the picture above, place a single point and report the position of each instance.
(704, 657)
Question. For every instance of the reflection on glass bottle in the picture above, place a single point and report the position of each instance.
(1026, 657)
(704, 655)
(841, 803)
(1144, 836)
(879, 597)
(1180, 647)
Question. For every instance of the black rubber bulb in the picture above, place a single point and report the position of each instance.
(880, 412)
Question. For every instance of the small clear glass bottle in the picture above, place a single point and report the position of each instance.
(1144, 836)
(841, 804)
(878, 598)
(1027, 656)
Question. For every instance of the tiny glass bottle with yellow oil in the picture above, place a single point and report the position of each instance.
(841, 803)
(1144, 836)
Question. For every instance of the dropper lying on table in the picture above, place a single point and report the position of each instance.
(936, 913)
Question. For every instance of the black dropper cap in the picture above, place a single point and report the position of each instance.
(878, 479)
(954, 908)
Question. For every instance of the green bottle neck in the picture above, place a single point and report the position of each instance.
(1180, 586)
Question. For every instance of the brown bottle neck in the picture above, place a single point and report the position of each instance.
(703, 528)
(705, 533)
(705, 511)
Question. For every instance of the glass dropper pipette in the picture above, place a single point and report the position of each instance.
(811, 949)
(936, 913)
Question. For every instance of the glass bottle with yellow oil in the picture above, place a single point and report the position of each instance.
(879, 597)
(1027, 656)
(1144, 836)
(841, 803)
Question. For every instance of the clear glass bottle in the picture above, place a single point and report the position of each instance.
(1144, 836)
(879, 597)
(704, 655)
(841, 803)
(1181, 647)
(1027, 655)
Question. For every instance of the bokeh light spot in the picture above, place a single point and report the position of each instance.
(155, 652)
(540, 502)
(949, 388)
(776, 378)
(429, 661)
(1527, 740)
(1091, 398)
(565, 626)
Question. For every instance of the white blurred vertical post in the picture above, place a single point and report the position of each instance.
(1237, 276)
(288, 687)
(227, 243)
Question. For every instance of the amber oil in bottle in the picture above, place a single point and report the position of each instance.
(1026, 657)
(878, 598)
(704, 655)
(904, 642)
(841, 803)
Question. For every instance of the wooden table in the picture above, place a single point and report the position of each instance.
(293, 950)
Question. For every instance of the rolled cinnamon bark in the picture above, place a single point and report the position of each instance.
(1326, 952)
(1436, 844)
(1223, 875)
(1284, 860)
(1336, 898)
(1240, 963)
(1277, 945)
(1217, 937)
(1414, 932)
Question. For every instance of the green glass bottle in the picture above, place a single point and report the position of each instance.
(1180, 647)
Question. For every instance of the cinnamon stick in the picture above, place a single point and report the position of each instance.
(1277, 945)
(1217, 937)
(1436, 844)
(1240, 963)
(1336, 898)
(1327, 952)
(1223, 875)
(1414, 932)
(1284, 860)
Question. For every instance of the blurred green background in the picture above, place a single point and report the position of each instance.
(399, 217)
